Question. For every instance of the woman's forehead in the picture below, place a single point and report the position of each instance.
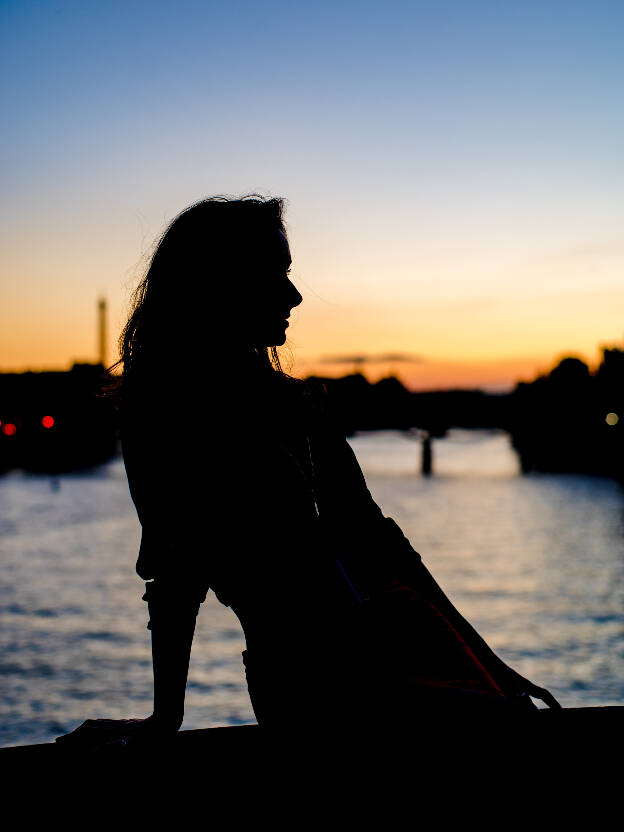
(284, 247)
(272, 246)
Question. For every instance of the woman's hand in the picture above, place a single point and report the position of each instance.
(511, 681)
(98, 735)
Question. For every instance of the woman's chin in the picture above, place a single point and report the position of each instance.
(267, 343)
(274, 339)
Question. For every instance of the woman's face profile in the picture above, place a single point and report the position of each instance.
(269, 294)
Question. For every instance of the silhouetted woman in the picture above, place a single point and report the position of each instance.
(242, 486)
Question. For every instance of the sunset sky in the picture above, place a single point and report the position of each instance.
(454, 172)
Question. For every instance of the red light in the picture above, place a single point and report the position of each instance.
(8, 429)
(47, 421)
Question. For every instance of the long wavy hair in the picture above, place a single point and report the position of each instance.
(193, 262)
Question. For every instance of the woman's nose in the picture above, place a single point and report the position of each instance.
(295, 297)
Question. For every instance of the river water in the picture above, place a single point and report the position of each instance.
(535, 562)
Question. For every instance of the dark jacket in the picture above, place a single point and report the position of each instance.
(266, 505)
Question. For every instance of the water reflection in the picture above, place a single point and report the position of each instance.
(535, 562)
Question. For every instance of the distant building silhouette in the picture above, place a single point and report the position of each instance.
(55, 421)
(568, 420)
(102, 332)
(571, 420)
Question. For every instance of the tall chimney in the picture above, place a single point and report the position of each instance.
(102, 331)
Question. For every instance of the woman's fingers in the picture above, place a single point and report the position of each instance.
(526, 686)
(99, 731)
(545, 696)
(550, 700)
(111, 735)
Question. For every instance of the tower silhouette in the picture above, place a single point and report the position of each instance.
(102, 331)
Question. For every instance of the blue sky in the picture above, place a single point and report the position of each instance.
(432, 154)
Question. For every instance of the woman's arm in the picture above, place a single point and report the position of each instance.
(378, 539)
(407, 566)
(172, 624)
(416, 574)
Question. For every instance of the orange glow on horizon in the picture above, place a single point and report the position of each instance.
(496, 375)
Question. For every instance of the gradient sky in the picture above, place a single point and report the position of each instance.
(454, 171)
